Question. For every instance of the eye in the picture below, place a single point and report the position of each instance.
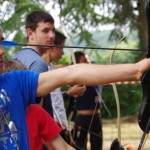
(46, 30)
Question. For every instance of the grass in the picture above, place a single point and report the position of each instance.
(130, 133)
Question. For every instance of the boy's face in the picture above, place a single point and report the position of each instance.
(57, 53)
(1, 51)
(84, 59)
(44, 34)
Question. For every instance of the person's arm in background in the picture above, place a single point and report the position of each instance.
(76, 90)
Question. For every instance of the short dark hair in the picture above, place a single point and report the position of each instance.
(78, 55)
(13, 65)
(59, 37)
(37, 16)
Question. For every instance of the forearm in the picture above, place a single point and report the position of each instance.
(57, 144)
(89, 74)
(103, 74)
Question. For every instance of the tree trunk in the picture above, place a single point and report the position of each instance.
(142, 24)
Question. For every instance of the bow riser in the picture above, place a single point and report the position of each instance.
(144, 113)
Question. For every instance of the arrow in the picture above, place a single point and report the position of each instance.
(5, 43)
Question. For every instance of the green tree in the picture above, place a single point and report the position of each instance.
(81, 16)
(14, 18)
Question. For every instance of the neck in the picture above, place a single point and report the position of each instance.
(46, 56)
(47, 60)
(37, 48)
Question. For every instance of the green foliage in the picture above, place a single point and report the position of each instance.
(82, 17)
(64, 60)
(87, 15)
(129, 96)
(15, 22)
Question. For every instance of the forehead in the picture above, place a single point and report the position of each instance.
(45, 25)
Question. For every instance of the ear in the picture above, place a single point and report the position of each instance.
(29, 32)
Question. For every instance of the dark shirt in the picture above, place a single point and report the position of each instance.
(88, 100)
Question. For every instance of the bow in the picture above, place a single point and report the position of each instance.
(117, 102)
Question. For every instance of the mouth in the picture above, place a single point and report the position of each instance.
(50, 43)
(1, 63)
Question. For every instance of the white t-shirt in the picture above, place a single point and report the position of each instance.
(58, 104)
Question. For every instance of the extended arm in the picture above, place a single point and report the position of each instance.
(89, 74)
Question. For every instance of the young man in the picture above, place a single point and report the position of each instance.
(40, 30)
(18, 90)
(50, 55)
(88, 118)
(53, 55)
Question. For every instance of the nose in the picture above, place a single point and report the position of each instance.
(1, 51)
(52, 34)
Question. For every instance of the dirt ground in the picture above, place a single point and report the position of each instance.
(130, 133)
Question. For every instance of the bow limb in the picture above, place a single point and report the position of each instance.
(74, 62)
(116, 95)
(100, 99)
(72, 56)
(71, 114)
